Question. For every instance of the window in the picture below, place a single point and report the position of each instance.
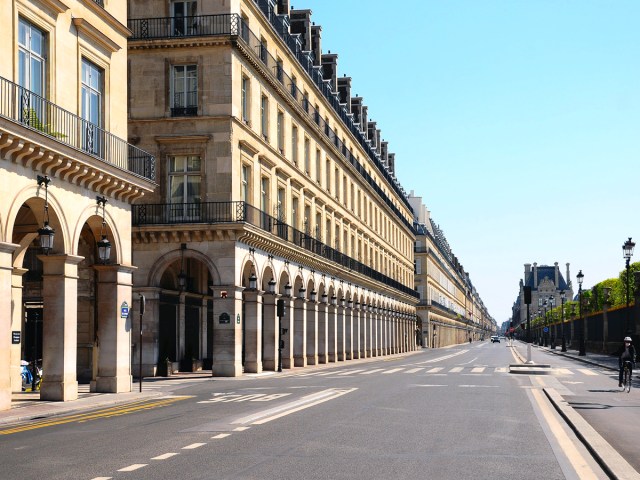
(336, 183)
(263, 50)
(264, 194)
(327, 173)
(294, 87)
(318, 166)
(294, 212)
(184, 186)
(280, 128)
(245, 89)
(279, 70)
(327, 231)
(307, 157)
(305, 102)
(32, 45)
(418, 264)
(306, 225)
(91, 105)
(264, 117)
(294, 145)
(316, 114)
(184, 94)
(244, 28)
(244, 183)
(183, 17)
(281, 206)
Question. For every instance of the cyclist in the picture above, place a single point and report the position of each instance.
(628, 355)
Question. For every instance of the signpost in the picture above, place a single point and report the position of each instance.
(142, 305)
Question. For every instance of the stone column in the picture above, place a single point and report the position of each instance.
(114, 335)
(357, 333)
(300, 331)
(362, 326)
(368, 339)
(227, 331)
(204, 331)
(312, 333)
(332, 337)
(6, 309)
(17, 317)
(288, 338)
(59, 327)
(323, 333)
(375, 325)
(348, 333)
(340, 333)
(270, 333)
(253, 331)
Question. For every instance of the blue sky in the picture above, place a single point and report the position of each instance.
(517, 121)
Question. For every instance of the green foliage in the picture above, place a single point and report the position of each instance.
(34, 121)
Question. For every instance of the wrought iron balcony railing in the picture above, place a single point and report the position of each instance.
(175, 27)
(241, 212)
(36, 113)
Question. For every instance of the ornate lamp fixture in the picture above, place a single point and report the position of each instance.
(46, 233)
(104, 246)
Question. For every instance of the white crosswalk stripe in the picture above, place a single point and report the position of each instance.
(434, 370)
(587, 372)
(477, 369)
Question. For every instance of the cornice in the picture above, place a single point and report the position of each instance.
(85, 27)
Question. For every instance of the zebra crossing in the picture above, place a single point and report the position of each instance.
(435, 371)
(148, 384)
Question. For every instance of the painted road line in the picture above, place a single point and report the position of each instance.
(563, 371)
(479, 386)
(578, 462)
(434, 370)
(438, 359)
(456, 369)
(116, 411)
(430, 385)
(413, 370)
(241, 429)
(587, 372)
(393, 370)
(293, 406)
(164, 456)
(101, 478)
(375, 370)
(131, 468)
(351, 372)
(477, 369)
(220, 435)
(193, 445)
(501, 370)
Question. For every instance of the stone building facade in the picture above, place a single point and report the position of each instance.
(450, 309)
(273, 185)
(65, 169)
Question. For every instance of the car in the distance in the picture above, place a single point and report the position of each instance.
(495, 339)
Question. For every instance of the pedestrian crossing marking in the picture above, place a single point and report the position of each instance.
(434, 370)
(413, 370)
(564, 371)
(587, 372)
(477, 369)
(375, 370)
(456, 369)
(351, 372)
(393, 370)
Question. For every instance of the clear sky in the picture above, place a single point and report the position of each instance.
(517, 121)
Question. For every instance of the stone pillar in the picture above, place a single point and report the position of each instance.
(348, 333)
(358, 349)
(16, 326)
(323, 332)
(227, 332)
(6, 309)
(253, 331)
(300, 331)
(59, 327)
(114, 336)
(375, 325)
(289, 337)
(312, 333)
(340, 333)
(362, 331)
(368, 339)
(204, 329)
(270, 333)
(332, 337)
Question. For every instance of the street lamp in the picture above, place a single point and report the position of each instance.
(544, 336)
(627, 250)
(564, 340)
(581, 352)
(552, 339)
(46, 233)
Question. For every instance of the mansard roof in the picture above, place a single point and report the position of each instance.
(546, 271)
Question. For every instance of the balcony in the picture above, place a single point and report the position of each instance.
(178, 27)
(240, 212)
(25, 108)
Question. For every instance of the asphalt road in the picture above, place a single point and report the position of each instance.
(451, 413)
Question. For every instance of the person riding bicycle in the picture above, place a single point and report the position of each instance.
(628, 355)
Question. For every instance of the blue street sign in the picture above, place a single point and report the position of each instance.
(545, 329)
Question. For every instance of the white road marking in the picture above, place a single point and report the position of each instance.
(220, 435)
(164, 456)
(434, 370)
(479, 386)
(587, 372)
(477, 370)
(375, 370)
(241, 429)
(350, 372)
(430, 385)
(193, 445)
(563, 371)
(413, 370)
(102, 478)
(501, 370)
(456, 369)
(433, 360)
(133, 467)
(393, 370)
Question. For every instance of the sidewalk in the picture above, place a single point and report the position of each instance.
(28, 406)
(597, 359)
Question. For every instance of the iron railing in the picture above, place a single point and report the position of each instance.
(232, 24)
(241, 212)
(36, 113)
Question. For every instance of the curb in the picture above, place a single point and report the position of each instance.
(607, 457)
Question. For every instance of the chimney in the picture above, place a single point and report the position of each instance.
(282, 7)
(556, 270)
(356, 110)
(344, 91)
(315, 44)
(378, 132)
(330, 69)
(371, 134)
(301, 24)
(535, 275)
(392, 163)
(568, 279)
(527, 270)
(384, 152)
(364, 121)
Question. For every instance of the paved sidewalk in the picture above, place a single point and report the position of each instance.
(598, 359)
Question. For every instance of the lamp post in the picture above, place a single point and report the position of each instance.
(552, 339)
(46, 233)
(627, 250)
(544, 335)
(582, 351)
(564, 340)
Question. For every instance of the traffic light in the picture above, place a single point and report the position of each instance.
(280, 308)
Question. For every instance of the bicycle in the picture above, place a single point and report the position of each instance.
(626, 377)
